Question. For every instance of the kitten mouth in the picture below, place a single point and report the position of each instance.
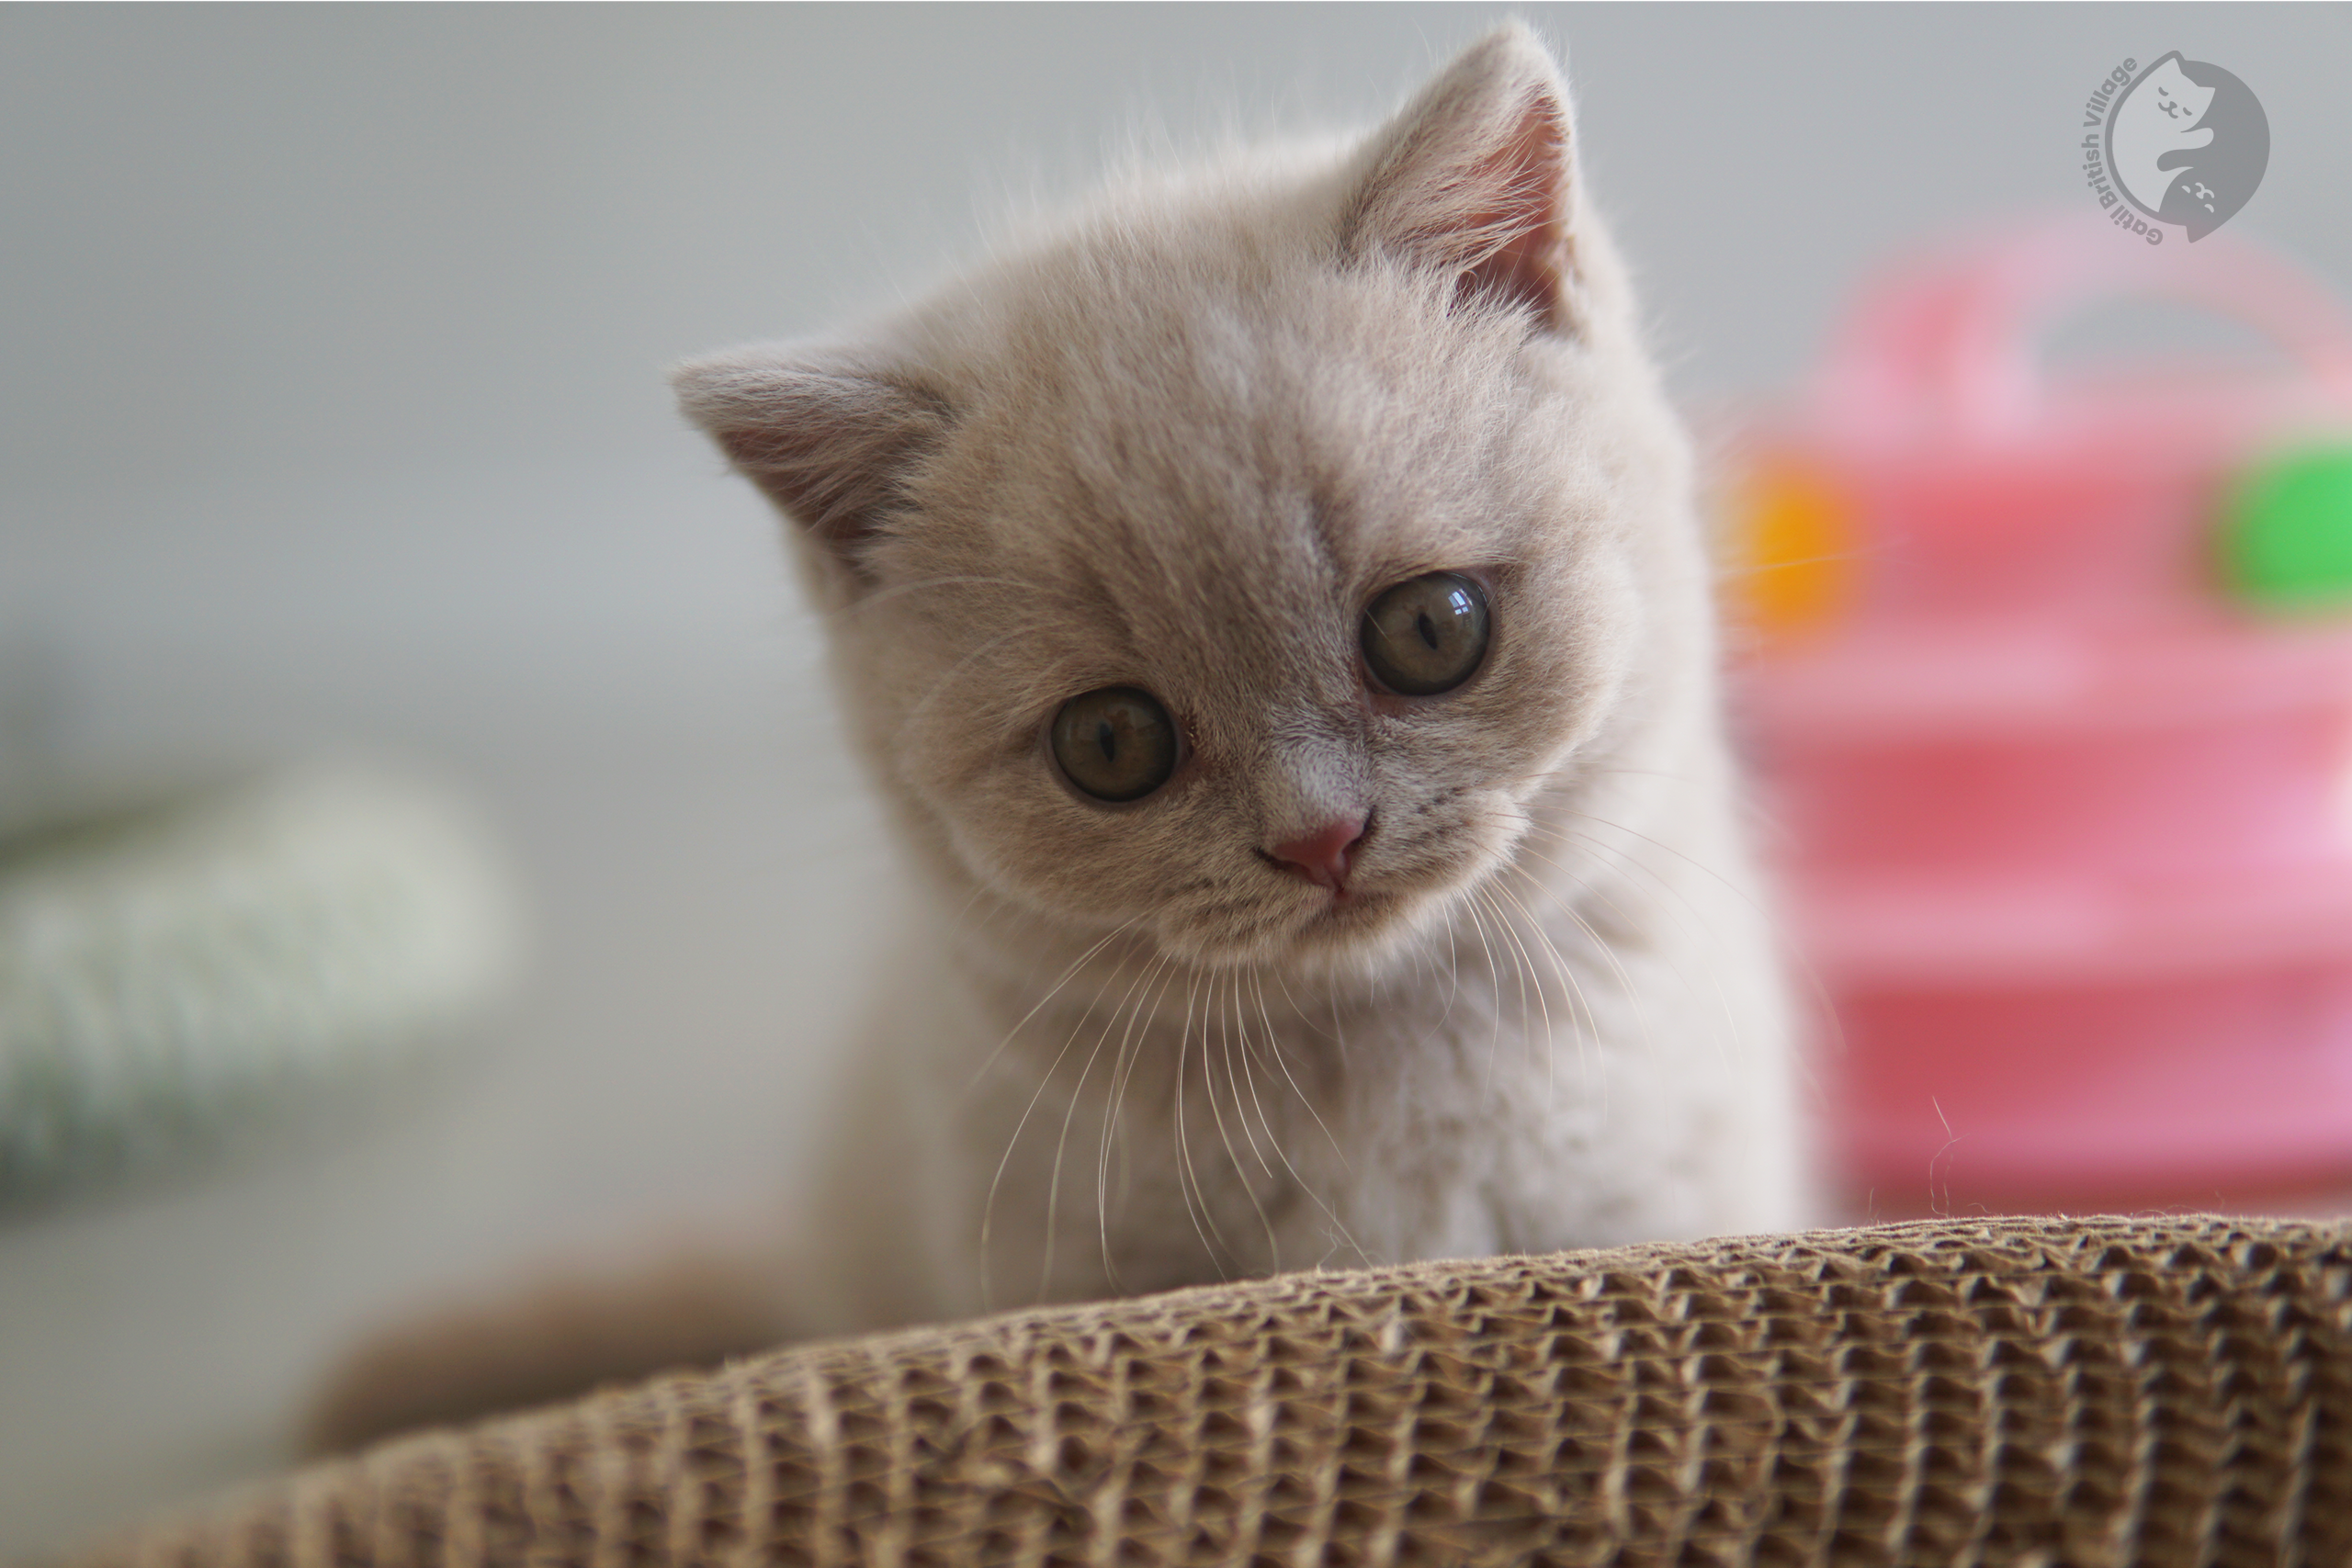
(1338, 927)
(1348, 910)
(1341, 904)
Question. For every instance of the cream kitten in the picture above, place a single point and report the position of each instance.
(1271, 606)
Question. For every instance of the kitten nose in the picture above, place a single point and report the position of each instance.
(1323, 856)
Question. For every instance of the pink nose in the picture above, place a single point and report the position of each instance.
(1323, 856)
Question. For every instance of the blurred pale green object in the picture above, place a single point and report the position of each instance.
(2286, 540)
(171, 975)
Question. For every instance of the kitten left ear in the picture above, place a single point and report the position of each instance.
(1477, 177)
(830, 441)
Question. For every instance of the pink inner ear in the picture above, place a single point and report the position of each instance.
(1524, 178)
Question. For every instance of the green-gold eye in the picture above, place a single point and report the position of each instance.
(1115, 744)
(1428, 635)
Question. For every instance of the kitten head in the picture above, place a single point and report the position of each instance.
(1235, 563)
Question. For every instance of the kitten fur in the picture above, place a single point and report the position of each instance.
(1179, 441)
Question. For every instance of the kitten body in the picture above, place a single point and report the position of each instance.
(1178, 444)
(1522, 998)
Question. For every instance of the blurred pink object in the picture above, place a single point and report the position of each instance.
(2070, 829)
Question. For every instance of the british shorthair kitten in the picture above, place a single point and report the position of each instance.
(1270, 604)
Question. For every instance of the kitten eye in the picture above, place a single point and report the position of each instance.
(1115, 744)
(1427, 635)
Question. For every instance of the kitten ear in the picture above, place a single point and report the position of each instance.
(829, 441)
(1478, 176)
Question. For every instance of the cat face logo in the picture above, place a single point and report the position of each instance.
(2188, 142)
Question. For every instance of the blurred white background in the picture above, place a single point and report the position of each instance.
(332, 417)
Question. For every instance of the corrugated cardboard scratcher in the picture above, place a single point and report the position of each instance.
(2148, 1391)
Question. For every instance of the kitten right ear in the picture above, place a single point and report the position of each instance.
(830, 441)
(1477, 177)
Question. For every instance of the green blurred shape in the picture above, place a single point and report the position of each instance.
(2286, 540)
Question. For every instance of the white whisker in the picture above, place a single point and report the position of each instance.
(1495, 973)
(1274, 1046)
(1188, 1181)
(1075, 965)
(1733, 1039)
(1077, 1094)
(1208, 1082)
(987, 1207)
(1131, 1045)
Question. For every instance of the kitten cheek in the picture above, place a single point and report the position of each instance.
(1071, 859)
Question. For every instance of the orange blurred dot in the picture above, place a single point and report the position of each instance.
(1791, 550)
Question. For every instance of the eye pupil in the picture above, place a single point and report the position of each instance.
(1115, 744)
(1427, 635)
